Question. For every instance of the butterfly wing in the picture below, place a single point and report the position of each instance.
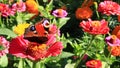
(40, 29)
(30, 31)
(35, 33)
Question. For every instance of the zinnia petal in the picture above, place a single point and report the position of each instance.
(94, 64)
(4, 44)
(55, 49)
(59, 13)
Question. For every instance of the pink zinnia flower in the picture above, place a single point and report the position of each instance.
(59, 13)
(109, 8)
(4, 45)
(34, 51)
(94, 64)
(95, 27)
(19, 6)
(5, 10)
(112, 40)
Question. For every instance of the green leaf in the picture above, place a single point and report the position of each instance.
(19, 19)
(62, 21)
(45, 0)
(38, 65)
(66, 54)
(105, 65)
(43, 11)
(29, 63)
(41, 8)
(1, 47)
(8, 32)
(69, 65)
(3, 61)
(27, 16)
(49, 7)
(21, 63)
(22, 17)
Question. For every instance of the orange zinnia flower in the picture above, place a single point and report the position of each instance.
(114, 50)
(118, 18)
(116, 31)
(32, 7)
(83, 13)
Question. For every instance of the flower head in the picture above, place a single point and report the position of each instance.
(83, 13)
(59, 13)
(4, 46)
(32, 7)
(109, 8)
(116, 31)
(94, 64)
(114, 50)
(21, 47)
(20, 28)
(19, 6)
(112, 40)
(95, 27)
(118, 17)
(5, 10)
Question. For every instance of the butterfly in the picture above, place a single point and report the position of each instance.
(38, 32)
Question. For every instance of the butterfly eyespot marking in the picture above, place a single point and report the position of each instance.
(32, 28)
(46, 24)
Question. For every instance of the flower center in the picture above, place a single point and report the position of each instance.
(110, 6)
(96, 24)
(60, 12)
(1, 8)
(93, 62)
(114, 37)
(36, 50)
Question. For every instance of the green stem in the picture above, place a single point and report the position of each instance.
(0, 21)
(98, 16)
(96, 6)
(89, 45)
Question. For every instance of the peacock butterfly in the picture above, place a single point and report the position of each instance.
(38, 32)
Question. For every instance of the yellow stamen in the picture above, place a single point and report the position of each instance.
(96, 24)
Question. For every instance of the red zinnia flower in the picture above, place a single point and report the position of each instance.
(94, 64)
(109, 8)
(95, 27)
(34, 51)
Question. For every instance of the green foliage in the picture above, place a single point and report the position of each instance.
(23, 17)
(8, 32)
(3, 61)
(76, 42)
